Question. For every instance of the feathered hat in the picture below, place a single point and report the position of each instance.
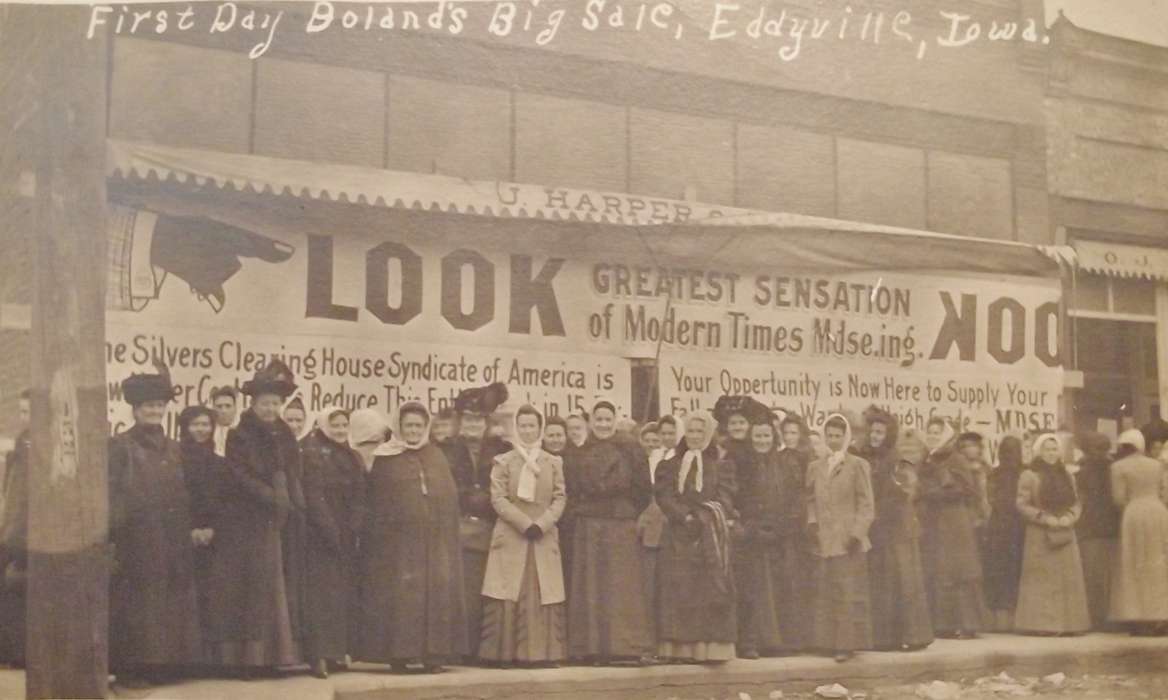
(272, 378)
(481, 400)
(748, 407)
(140, 388)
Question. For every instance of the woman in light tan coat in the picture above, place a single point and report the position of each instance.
(523, 589)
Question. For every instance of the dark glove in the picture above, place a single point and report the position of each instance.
(533, 532)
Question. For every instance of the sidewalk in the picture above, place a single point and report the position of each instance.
(950, 660)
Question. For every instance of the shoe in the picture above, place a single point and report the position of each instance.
(751, 654)
(320, 669)
(842, 656)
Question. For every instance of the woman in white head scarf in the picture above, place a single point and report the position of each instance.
(411, 589)
(950, 505)
(697, 600)
(523, 588)
(840, 512)
(368, 429)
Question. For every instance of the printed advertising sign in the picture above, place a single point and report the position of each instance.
(372, 316)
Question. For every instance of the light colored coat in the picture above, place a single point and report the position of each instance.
(508, 554)
(841, 504)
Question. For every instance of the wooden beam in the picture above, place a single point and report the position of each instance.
(68, 503)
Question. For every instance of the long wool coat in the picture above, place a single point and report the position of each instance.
(508, 555)
(412, 604)
(153, 598)
(334, 494)
(1140, 586)
(250, 600)
(697, 599)
(841, 503)
(1052, 596)
(1005, 534)
(206, 477)
(900, 605)
(950, 505)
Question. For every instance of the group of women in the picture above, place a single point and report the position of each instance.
(729, 534)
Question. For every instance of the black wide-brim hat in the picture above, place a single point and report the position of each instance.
(753, 410)
(272, 378)
(137, 389)
(481, 400)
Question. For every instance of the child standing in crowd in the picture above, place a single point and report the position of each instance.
(523, 611)
(1005, 533)
(950, 507)
(1098, 527)
(839, 513)
(1139, 597)
(695, 490)
(1052, 598)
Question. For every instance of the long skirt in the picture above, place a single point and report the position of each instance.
(1053, 597)
(900, 604)
(525, 630)
(330, 603)
(1099, 562)
(797, 617)
(843, 619)
(696, 619)
(607, 615)
(649, 557)
(764, 593)
(474, 568)
(1140, 592)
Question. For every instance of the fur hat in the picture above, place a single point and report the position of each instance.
(481, 400)
(875, 414)
(754, 411)
(272, 378)
(137, 389)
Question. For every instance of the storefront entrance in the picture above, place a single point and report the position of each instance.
(1118, 360)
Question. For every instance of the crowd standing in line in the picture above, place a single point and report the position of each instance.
(267, 539)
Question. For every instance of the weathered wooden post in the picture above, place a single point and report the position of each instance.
(68, 506)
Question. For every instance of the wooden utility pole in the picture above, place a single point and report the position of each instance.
(68, 505)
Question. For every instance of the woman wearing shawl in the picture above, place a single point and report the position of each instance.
(608, 483)
(697, 617)
(840, 511)
(251, 602)
(412, 606)
(334, 490)
(205, 474)
(154, 619)
(1005, 534)
(523, 606)
(1098, 527)
(1139, 592)
(949, 507)
(1052, 598)
(900, 606)
(770, 503)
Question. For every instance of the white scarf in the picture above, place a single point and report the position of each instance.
(693, 457)
(529, 475)
(947, 435)
(834, 459)
(397, 445)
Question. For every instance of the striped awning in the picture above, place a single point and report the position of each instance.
(1119, 260)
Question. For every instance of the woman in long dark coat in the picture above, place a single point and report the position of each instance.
(154, 620)
(770, 507)
(205, 475)
(1004, 535)
(1098, 528)
(696, 595)
(608, 487)
(900, 605)
(252, 627)
(950, 503)
(412, 604)
(334, 494)
(798, 558)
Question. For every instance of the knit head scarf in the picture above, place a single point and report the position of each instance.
(691, 460)
(1056, 494)
(836, 457)
(530, 453)
(398, 444)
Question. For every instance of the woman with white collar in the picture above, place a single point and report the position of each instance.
(523, 589)
(840, 511)
(412, 606)
(695, 489)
